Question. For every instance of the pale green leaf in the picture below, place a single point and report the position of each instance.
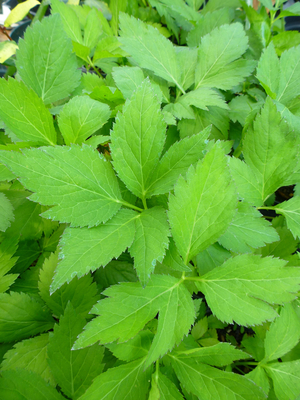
(92, 29)
(173, 260)
(26, 116)
(8, 248)
(81, 117)
(176, 161)
(259, 376)
(187, 61)
(20, 11)
(116, 6)
(21, 384)
(248, 230)
(7, 49)
(165, 388)
(129, 307)
(128, 79)
(73, 370)
(30, 354)
(86, 249)
(219, 64)
(205, 216)
(291, 211)
(208, 23)
(45, 61)
(127, 382)
(84, 189)
(286, 379)
(245, 287)
(150, 242)
(150, 49)
(6, 213)
(22, 316)
(213, 5)
(69, 20)
(268, 71)
(283, 334)
(81, 293)
(134, 348)
(137, 139)
(208, 383)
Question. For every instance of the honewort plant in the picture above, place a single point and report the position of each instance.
(146, 251)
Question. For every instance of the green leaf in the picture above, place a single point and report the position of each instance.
(206, 216)
(21, 384)
(173, 259)
(291, 211)
(113, 273)
(283, 335)
(135, 348)
(128, 79)
(187, 61)
(26, 115)
(45, 61)
(286, 379)
(92, 29)
(150, 49)
(84, 188)
(137, 139)
(165, 389)
(6, 213)
(86, 249)
(69, 19)
(30, 354)
(280, 77)
(81, 117)
(7, 250)
(207, 382)
(259, 376)
(81, 293)
(73, 370)
(129, 307)
(248, 230)
(176, 161)
(212, 257)
(150, 242)
(116, 6)
(22, 316)
(19, 12)
(219, 64)
(242, 287)
(128, 381)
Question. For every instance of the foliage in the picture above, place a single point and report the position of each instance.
(145, 250)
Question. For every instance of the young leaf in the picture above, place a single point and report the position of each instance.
(81, 117)
(81, 293)
(291, 210)
(137, 139)
(268, 71)
(22, 316)
(30, 354)
(74, 371)
(187, 61)
(248, 230)
(128, 381)
(259, 376)
(69, 19)
(6, 213)
(129, 307)
(242, 287)
(210, 200)
(128, 79)
(286, 379)
(164, 388)
(152, 231)
(25, 385)
(84, 189)
(8, 248)
(173, 259)
(150, 49)
(283, 335)
(116, 6)
(45, 60)
(86, 249)
(218, 58)
(26, 116)
(207, 382)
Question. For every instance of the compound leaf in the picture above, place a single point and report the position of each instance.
(248, 230)
(291, 210)
(150, 242)
(210, 201)
(129, 307)
(21, 384)
(286, 379)
(27, 117)
(73, 370)
(86, 249)
(242, 287)
(137, 139)
(22, 316)
(81, 117)
(78, 181)
(129, 381)
(45, 60)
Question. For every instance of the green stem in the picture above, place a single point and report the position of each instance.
(131, 206)
(40, 12)
(94, 67)
(144, 203)
(266, 208)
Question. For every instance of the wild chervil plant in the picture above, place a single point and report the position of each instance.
(136, 262)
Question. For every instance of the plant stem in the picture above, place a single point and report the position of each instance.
(131, 206)
(94, 67)
(144, 203)
(40, 12)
